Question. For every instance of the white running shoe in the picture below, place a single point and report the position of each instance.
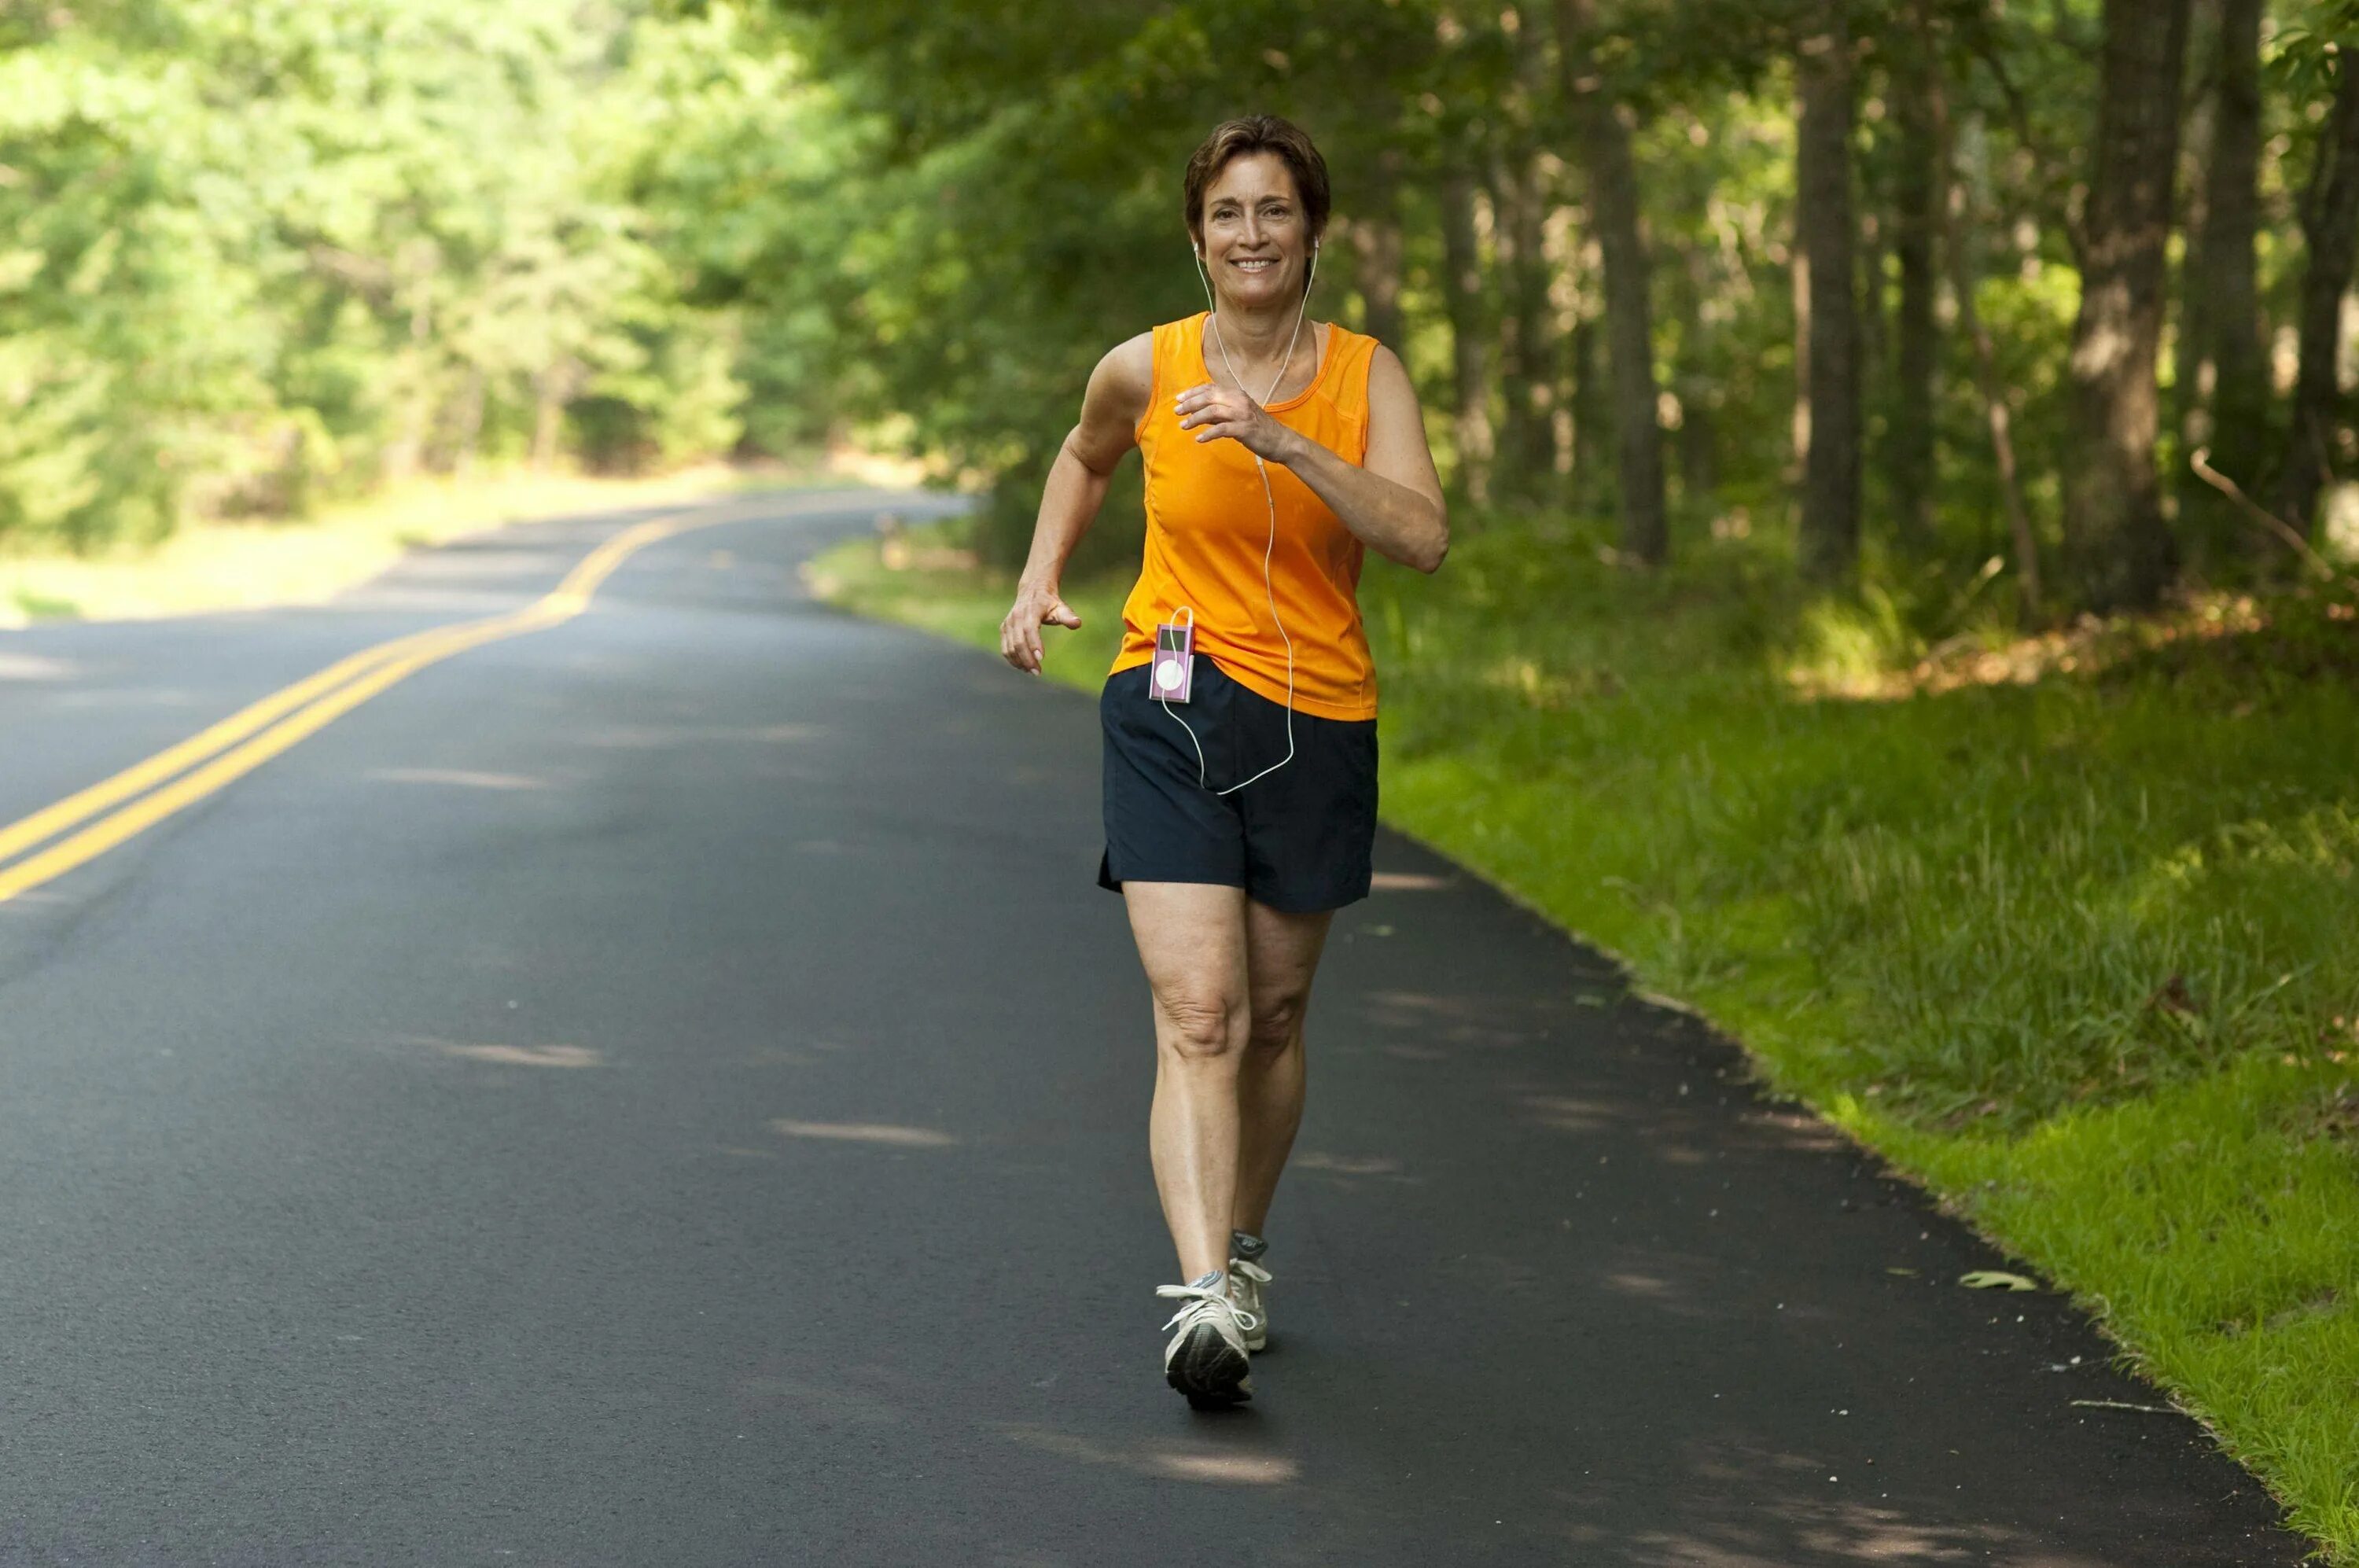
(1206, 1359)
(1245, 1280)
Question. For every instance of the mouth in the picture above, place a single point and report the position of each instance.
(1254, 264)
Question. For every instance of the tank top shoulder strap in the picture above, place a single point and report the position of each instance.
(1347, 383)
(1175, 358)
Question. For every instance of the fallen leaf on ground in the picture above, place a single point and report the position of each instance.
(1995, 1279)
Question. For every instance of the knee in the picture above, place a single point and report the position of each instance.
(1201, 1029)
(1275, 1024)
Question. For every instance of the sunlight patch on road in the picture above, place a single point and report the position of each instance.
(1234, 1468)
(1162, 1462)
(1346, 1165)
(1573, 1113)
(865, 1132)
(520, 1055)
(33, 667)
(662, 738)
(459, 776)
(1406, 882)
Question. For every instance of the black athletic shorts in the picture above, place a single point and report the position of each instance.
(1300, 840)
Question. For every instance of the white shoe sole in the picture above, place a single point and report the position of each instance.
(1211, 1371)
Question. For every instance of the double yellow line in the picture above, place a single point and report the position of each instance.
(245, 740)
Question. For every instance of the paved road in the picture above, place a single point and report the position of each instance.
(664, 1090)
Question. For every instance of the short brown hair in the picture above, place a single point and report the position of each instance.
(1251, 133)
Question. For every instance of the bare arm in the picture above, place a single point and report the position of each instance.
(1110, 410)
(1393, 502)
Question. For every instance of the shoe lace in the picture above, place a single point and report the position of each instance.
(1246, 1280)
(1198, 1300)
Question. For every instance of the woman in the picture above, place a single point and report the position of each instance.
(1240, 715)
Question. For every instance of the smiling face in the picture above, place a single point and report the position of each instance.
(1256, 238)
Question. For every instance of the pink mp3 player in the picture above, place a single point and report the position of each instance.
(1170, 678)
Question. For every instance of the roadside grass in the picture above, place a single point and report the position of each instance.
(215, 566)
(2071, 933)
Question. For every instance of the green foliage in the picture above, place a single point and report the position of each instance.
(262, 252)
(258, 250)
(2310, 45)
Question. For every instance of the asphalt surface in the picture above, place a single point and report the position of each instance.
(664, 1090)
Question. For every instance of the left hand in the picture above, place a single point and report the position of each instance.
(1216, 412)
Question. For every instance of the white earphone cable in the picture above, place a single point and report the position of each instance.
(1270, 551)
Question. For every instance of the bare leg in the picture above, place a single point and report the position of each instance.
(1191, 940)
(1281, 956)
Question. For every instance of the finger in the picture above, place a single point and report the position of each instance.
(1063, 615)
(1219, 411)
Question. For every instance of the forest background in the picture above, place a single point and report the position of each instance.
(1899, 453)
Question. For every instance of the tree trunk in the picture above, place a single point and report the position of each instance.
(1996, 412)
(551, 390)
(1918, 202)
(470, 423)
(1801, 432)
(406, 452)
(1589, 419)
(1614, 213)
(1375, 241)
(1697, 453)
(1526, 459)
(1463, 293)
(2121, 555)
(2201, 507)
(2330, 226)
(1873, 341)
(2240, 375)
(2224, 371)
(1527, 443)
(1825, 229)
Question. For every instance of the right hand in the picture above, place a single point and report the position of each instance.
(1019, 634)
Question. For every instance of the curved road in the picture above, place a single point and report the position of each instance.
(662, 1089)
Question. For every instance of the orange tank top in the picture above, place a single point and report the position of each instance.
(1208, 524)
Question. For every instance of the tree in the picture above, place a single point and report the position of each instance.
(1919, 197)
(1375, 234)
(1527, 446)
(2330, 227)
(1824, 228)
(1613, 199)
(2120, 552)
(259, 252)
(1467, 299)
(2223, 373)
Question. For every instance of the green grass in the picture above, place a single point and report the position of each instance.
(2080, 952)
